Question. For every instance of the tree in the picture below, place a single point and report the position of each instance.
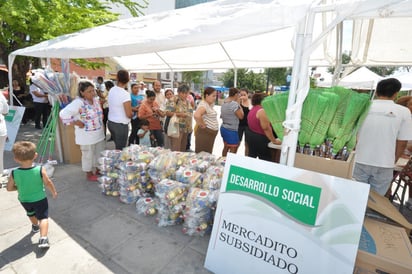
(382, 71)
(276, 76)
(345, 60)
(195, 77)
(28, 22)
(245, 79)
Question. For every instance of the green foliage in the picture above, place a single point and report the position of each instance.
(345, 60)
(383, 71)
(92, 65)
(245, 79)
(28, 22)
(277, 76)
(195, 77)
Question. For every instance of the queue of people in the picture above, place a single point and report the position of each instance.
(35, 101)
(150, 114)
(133, 118)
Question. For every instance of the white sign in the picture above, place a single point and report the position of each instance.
(13, 120)
(277, 219)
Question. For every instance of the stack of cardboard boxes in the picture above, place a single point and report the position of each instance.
(385, 244)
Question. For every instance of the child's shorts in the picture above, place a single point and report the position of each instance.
(40, 209)
(230, 137)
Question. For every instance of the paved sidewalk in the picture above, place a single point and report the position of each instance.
(91, 233)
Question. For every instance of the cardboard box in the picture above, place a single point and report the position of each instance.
(383, 248)
(71, 151)
(383, 206)
(336, 168)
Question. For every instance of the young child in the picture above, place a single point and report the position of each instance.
(144, 133)
(29, 181)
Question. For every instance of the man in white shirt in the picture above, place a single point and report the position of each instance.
(142, 88)
(160, 97)
(382, 137)
(41, 106)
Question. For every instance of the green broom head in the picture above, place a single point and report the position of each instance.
(313, 107)
(350, 145)
(356, 108)
(336, 123)
(352, 141)
(320, 131)
(275, 108)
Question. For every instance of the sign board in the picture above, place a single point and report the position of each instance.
(13, 119)
(273, 218)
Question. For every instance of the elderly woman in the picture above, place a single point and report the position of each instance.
(4, 109)
(206, 122)
(259, 132)
(150, 110)
(86, 114)
(231, 112)
(184, 111)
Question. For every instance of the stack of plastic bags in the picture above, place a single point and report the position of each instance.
(172, 195)
(109, 174)
(158, 181)
(198, 215)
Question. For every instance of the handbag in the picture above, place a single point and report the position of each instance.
(173, 127)
(166, 124)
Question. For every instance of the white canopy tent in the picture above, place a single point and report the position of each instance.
(241, 33)
(405, 78)
(215, 35)
(362, 78)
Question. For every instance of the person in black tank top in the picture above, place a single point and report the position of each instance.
(245, 104)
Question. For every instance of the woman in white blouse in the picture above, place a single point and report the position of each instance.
(4, 109)
(86, 114)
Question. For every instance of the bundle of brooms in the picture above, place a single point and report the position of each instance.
(330, 114)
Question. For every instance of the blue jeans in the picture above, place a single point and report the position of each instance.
(119, 133)
(379, 178)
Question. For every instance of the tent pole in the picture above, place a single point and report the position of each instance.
(10, 72)
(299, 89)
(172, 74)
(235, 80)
(234, 66)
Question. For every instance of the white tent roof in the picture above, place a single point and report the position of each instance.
(405, 78)
(240, 33)
(219, 34)
(254, 33)
(362, 78)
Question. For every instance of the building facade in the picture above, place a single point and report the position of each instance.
(187, 3)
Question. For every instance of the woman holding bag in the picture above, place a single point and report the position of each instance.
(207, 125)
(183, 110)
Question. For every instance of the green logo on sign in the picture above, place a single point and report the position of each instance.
(298, 200)
(10, 115)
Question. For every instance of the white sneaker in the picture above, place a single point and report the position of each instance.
(44, 243)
